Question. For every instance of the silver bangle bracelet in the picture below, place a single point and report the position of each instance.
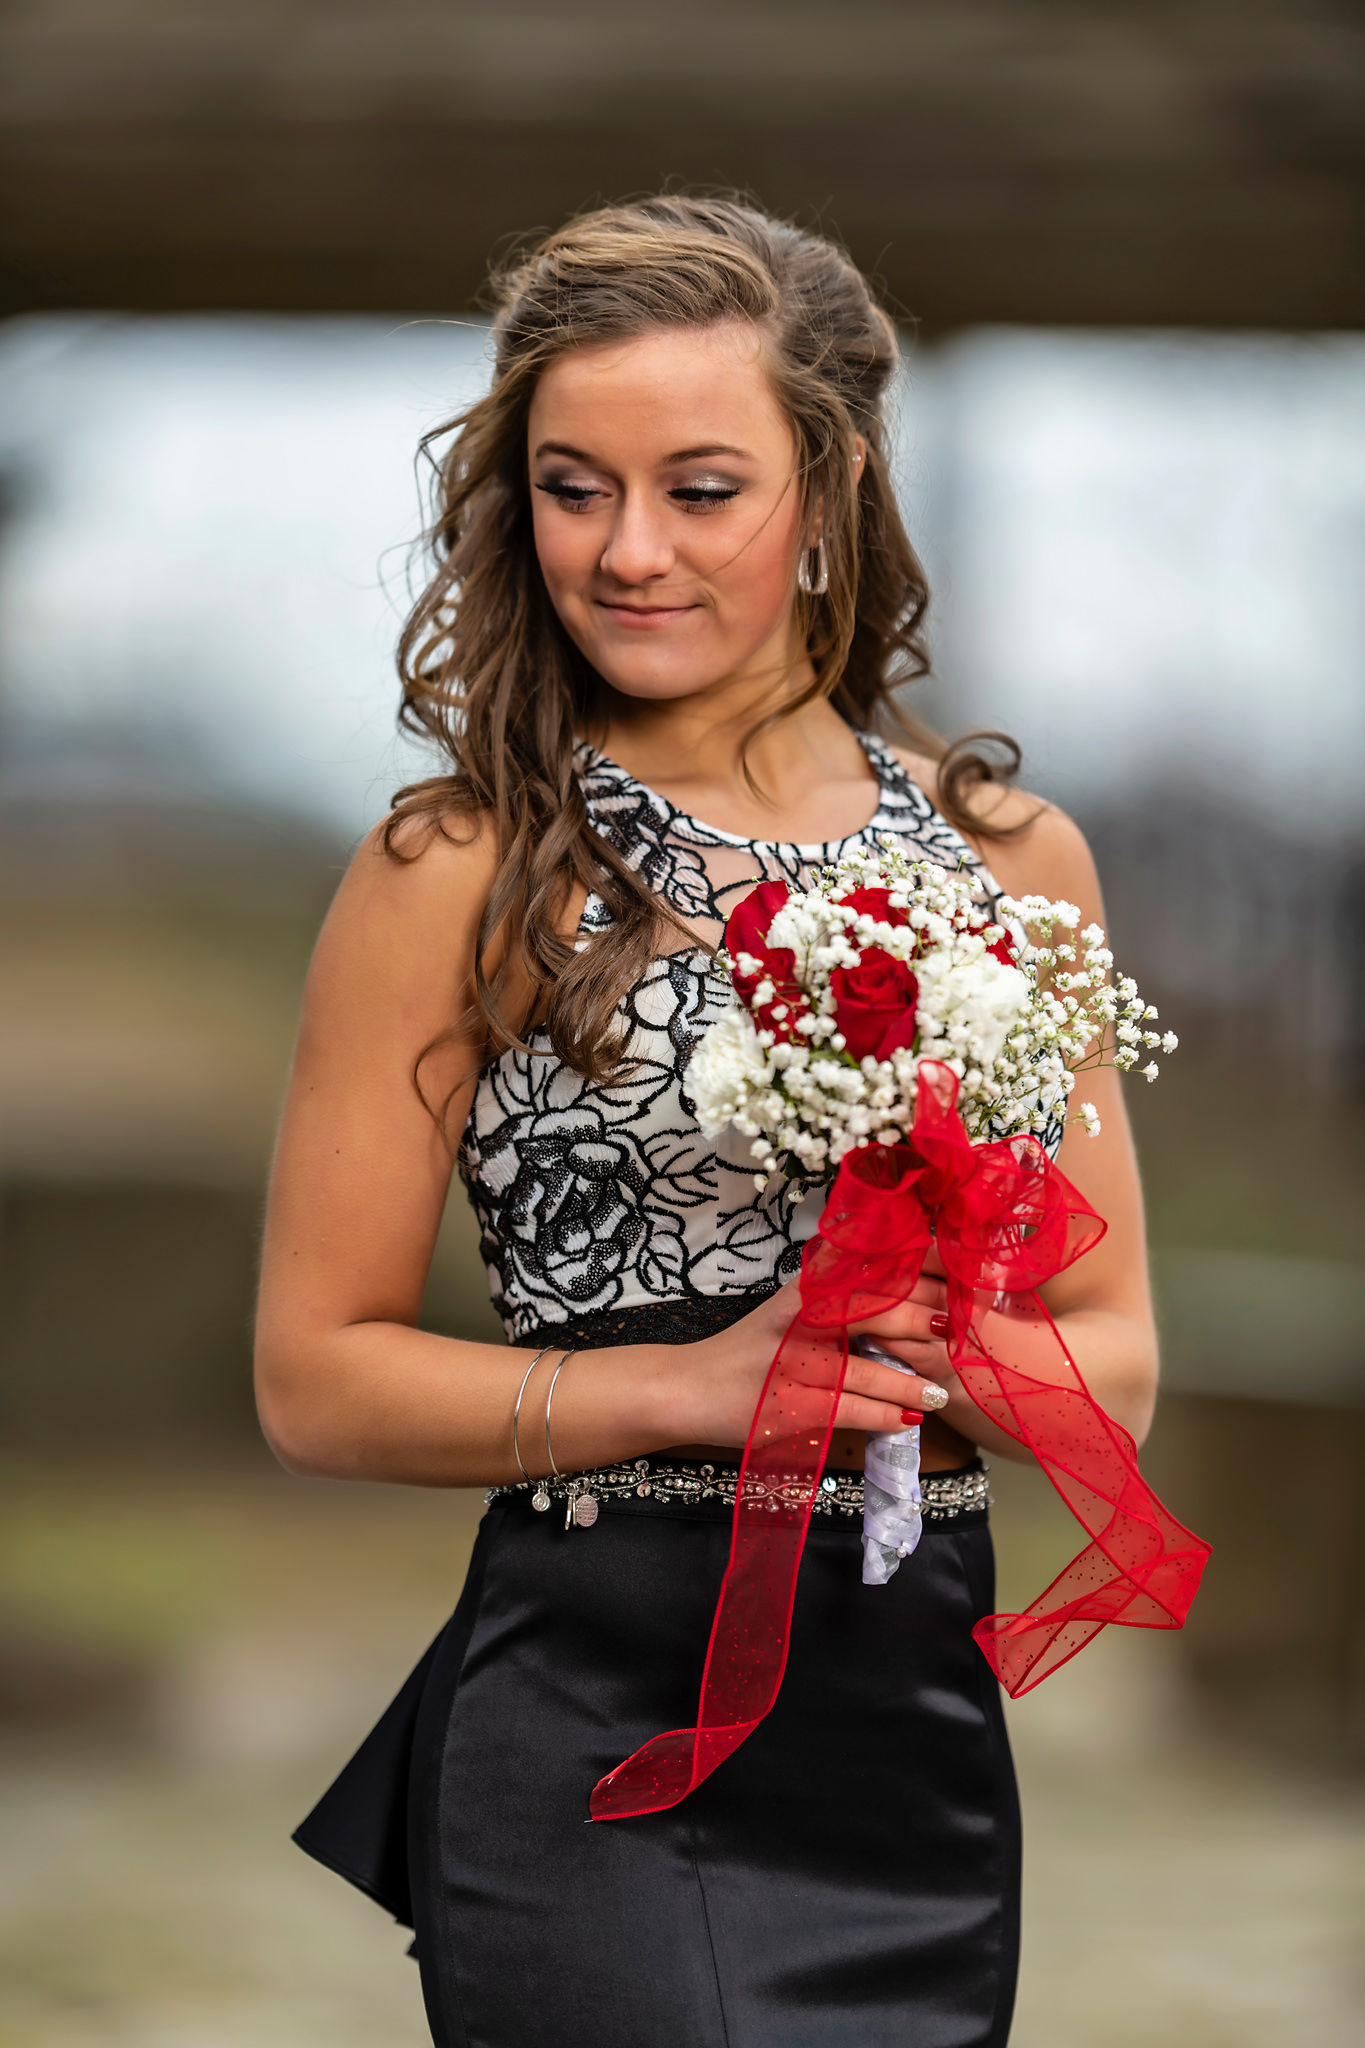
(554, 1380)
(516, 1412)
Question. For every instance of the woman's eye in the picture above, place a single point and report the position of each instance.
(691, 497)
(574, 496)
(696, 497)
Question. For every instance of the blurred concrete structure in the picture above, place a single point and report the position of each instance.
(1183, 162)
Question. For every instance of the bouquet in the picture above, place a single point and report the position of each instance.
(894, 1037)
(844, 989)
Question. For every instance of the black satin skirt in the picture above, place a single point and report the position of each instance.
(849, 1878)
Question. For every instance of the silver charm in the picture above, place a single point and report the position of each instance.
(585, 1510)
(540, 1499)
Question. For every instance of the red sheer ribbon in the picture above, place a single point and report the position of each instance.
(1004, 1220)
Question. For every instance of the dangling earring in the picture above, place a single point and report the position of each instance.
(818, 584)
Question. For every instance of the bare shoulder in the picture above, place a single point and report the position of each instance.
(1045, 853)
(402, 927)
(413, 866)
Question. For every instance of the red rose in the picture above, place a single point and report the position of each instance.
(747, 932)
(1002, 949)
(751, 921)
(875, 1004)
(874, 903)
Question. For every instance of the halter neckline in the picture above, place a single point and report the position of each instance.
(881, 760)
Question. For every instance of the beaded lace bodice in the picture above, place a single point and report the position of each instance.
(593, 1196)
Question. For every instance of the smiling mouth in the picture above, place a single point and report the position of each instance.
(645, 612)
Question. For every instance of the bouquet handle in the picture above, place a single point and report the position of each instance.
(893, 1511)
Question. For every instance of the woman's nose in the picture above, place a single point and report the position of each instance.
(639, 550)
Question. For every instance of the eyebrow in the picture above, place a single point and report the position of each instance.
(669, 461)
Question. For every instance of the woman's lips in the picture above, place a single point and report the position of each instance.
(639, 617)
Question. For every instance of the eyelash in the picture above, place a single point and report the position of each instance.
(576, 497)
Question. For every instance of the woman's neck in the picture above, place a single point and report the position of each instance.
(809, 767)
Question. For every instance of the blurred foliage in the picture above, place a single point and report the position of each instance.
(1235, 1158)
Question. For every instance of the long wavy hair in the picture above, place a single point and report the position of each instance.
(490, 674)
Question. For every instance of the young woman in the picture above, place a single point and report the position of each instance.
(672, 605)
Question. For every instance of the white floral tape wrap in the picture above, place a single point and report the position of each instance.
(893, 1505)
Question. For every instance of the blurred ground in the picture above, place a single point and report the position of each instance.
(202, 1647)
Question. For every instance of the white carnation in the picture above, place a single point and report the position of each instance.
(726, 1070)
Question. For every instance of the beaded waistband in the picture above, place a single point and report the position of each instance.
(946, 1495)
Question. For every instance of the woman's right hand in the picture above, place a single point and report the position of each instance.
(718, 1388)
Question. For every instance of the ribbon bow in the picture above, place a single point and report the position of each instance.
(1004, 1220)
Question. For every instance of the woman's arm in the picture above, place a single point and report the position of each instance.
(347, 1385)
(1102, 1305)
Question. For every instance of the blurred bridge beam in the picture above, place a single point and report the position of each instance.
(1191, 162)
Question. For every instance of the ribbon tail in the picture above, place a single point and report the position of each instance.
(747, 1654)
(1141, 1568)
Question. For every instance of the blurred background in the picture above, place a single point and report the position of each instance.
(240, 267)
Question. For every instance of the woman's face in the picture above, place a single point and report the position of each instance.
(666, 509)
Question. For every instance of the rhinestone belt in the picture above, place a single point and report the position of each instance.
(946, 1495)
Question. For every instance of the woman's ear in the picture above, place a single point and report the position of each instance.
(859, 457)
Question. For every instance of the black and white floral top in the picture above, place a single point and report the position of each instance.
(592, 1196)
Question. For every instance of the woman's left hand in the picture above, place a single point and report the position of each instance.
(916, 1331)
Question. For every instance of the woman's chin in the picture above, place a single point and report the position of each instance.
(657, 683)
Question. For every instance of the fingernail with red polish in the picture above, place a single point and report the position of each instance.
(938, 1326)
(911, 1417)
